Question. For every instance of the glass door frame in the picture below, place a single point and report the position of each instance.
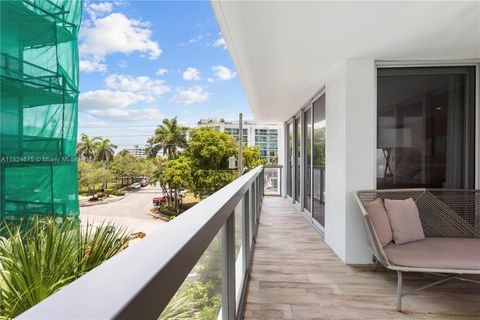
(304, 154)
(300, 115)
(297, 165)
(289, 172)
(321, 93)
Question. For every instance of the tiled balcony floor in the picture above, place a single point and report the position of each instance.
(296, 276)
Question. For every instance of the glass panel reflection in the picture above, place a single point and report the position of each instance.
(319, 125)
(425, 128)
(200, 296)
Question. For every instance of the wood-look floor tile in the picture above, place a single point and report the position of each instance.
(296, 276)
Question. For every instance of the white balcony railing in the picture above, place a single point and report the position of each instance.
(139, 282)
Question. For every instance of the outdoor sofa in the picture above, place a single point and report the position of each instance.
(450, 220)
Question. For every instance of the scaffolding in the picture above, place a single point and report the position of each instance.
(38, 115)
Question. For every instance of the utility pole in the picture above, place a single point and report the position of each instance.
(240, 144)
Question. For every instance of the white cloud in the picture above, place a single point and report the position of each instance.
(198, 38)
(220, 43)
(115, 105)
(190, 95)
(122, 64)
(109, 99)
(128, 114)
(141, 84)
(162, 72)
(210, 80)
(116, 33)
(92, 65)
(191, 74)
(223, 73)
(95, 9)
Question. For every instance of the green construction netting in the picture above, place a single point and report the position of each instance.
(38, 116)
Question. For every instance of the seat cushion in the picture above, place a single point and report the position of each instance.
(379, 218)
(441, 253)
(405, 220)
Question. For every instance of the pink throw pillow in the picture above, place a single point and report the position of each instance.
(379, 218)
(405, 220)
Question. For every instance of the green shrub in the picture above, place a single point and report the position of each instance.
(40, 258)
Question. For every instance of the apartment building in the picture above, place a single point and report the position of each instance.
(263, 135)
(137, 151)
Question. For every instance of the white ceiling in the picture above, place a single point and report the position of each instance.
(283, 51)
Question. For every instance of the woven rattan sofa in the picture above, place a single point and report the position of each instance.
(451, 224)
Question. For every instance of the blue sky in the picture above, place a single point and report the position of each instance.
(142, 61)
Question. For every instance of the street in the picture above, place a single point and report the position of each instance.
(129, 211)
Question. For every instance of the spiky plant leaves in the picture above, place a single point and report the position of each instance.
(39, 259)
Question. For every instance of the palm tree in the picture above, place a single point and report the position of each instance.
(105, 153)
(169, 137)
(87, 148)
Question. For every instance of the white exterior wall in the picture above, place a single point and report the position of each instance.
(350, 155)
(335, 153)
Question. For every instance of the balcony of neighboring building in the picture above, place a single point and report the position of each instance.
(36, 23)
(30, 85)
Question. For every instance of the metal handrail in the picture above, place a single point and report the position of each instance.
(138, 283)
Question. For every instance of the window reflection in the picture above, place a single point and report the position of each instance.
(425, 127)
(298, 130)
(307, 127)
(319, 125)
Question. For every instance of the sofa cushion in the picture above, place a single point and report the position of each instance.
(379, 218)
(404, 220)
(441, 253)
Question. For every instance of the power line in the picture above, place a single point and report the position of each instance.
(133, 126)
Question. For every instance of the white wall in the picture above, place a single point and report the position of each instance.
(335, 173)
(350, 155)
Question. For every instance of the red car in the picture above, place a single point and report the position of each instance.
(163, 199)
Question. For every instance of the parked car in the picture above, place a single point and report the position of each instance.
(163, 199)
(143, 183)
(136, 186)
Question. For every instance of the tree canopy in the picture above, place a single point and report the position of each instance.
(169, 137)
(208, 150)
(202, 164)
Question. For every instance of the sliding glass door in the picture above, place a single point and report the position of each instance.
(426, 127)
(318, 159)
(289, 158)
(307, 159)
(298, 130)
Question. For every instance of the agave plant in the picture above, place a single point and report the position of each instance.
(39, 259)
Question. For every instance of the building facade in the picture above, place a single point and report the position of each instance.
(38, 110)
(263, 135)
(137, 151)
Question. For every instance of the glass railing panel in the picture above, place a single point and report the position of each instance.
(200, 296)
(239, 247)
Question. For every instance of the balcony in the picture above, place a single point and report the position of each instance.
(271, 265)
(35, 84)
(35, 20)
(295, 275)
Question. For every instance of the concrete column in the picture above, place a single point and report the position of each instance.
(350, 155)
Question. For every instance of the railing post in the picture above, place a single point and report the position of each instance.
(252, 212)
(228, 269)
(246, 232)
(259, 199)
(255, 203)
